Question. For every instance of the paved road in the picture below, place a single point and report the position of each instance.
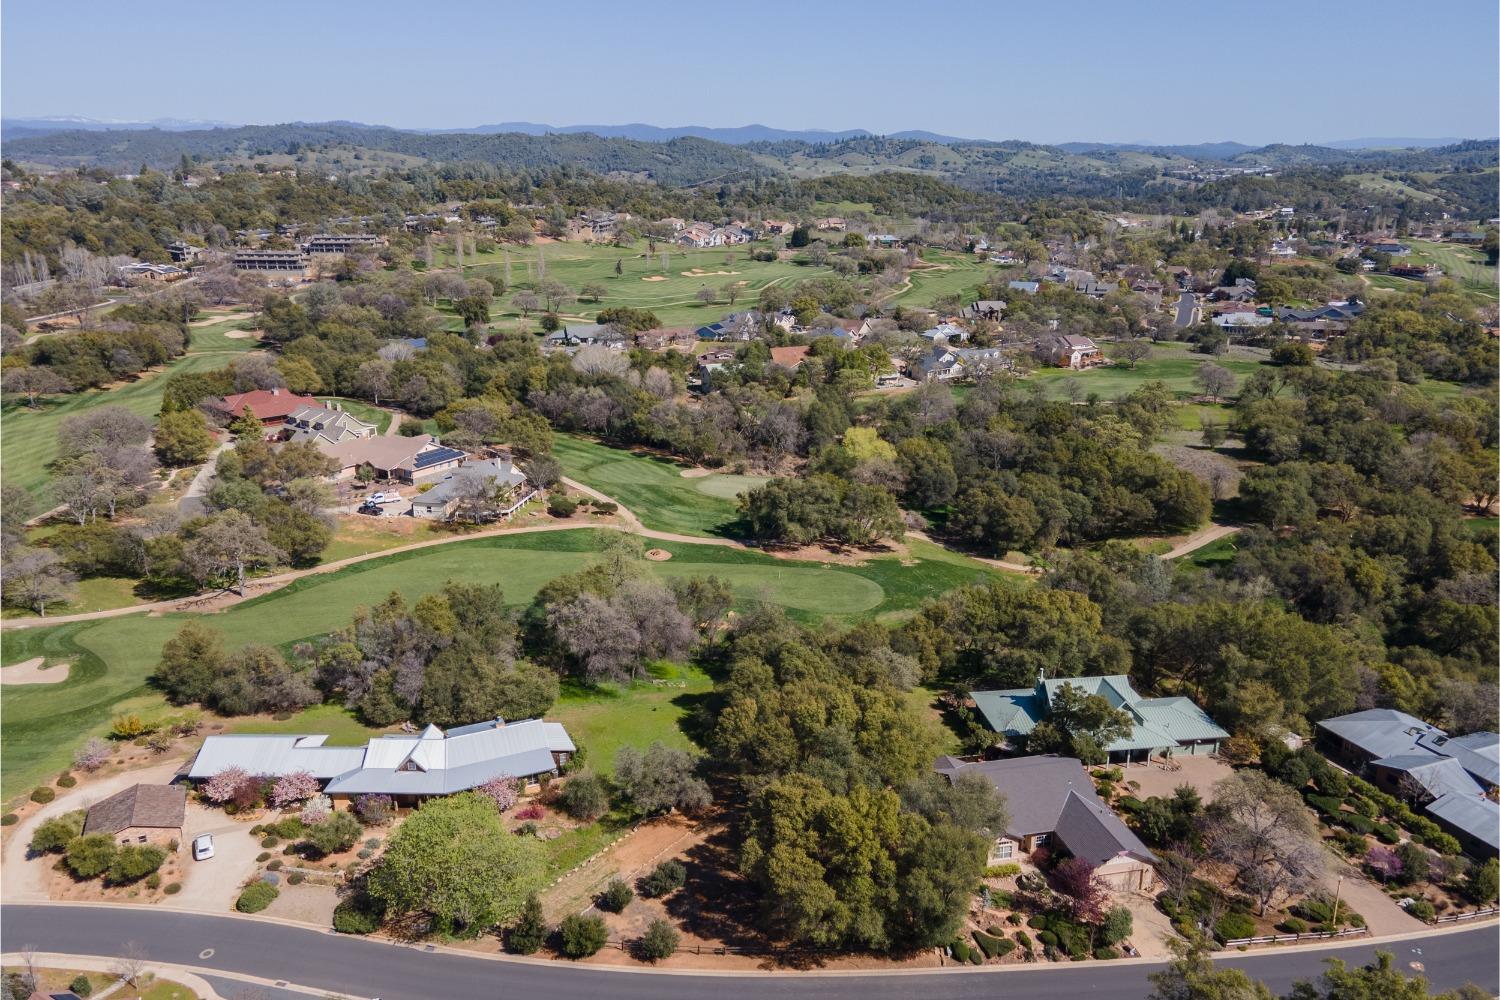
(323, 960)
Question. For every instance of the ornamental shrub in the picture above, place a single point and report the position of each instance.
(959, 950)
(356, 915)
(134, 862)
(53, 835)
(665, 878)
(659, 941)
(81, 986)
(1006, 870)
(616, 896)
(582, 936)
(375, 809)
(66, 780)
(1422, 909)
(9, 819)
(584, 797)
(43, 794)
(90, 856)
(503, 791)
(1232, 926)
(530, 930)
(173, 888)
(987, 944)
(1292, 925)
(256, 897)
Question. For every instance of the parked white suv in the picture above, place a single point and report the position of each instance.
(203, 847)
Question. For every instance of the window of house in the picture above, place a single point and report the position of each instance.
(1005, 851)
(1042, 839)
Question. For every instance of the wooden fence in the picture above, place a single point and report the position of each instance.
(1294, 938)
(1451, 918)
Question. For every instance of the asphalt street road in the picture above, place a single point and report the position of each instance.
(324, 960)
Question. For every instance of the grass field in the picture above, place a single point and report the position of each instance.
(1464, 265)
(112, 658)
(951, 274)
(1171, 363)
(30, 436)
(654, 488)
(643, 283)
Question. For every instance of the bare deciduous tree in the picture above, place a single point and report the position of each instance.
(229, 545)
(1215, 380)
(1260, 828)
(33, 381)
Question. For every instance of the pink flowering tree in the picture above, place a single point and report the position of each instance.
(223, 786)
(503, 791)
(299, 786)
(1384, 862)
(92, 755)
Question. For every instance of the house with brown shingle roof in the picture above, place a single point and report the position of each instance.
(790, 358)
(140, 814)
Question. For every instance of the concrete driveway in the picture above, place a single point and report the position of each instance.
(214, 885)
(27, 879)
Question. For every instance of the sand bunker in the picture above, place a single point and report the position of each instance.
(242, 334)
(655, 277)
(31, 672)
(700, 273)
(696, 473)
(658, 555)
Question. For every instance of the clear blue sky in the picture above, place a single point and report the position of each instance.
(1272, 70)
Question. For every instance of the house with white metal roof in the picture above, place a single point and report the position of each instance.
(408, 767)
(1159, 725)
(1452, 778)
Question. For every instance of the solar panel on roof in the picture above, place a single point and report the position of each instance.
(436, 456)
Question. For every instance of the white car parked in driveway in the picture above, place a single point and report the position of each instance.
(384, 498)
(203, 847)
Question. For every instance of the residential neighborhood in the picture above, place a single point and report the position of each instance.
(1025, 528)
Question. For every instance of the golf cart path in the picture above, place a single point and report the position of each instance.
(628, 522)
(1200, 538)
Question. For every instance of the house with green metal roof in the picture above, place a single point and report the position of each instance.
(1160, 726)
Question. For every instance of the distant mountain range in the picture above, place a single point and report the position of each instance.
(15, 128)
(688, 157)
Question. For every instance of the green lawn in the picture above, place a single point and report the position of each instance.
(112, 658)
(643, 283)
(1171, 363)
(30, 436)
(654, 487)
(953, 273)
(1464, 265)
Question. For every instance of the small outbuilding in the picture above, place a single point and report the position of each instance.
(140, 814)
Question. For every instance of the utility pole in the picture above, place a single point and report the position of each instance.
(1339, 891)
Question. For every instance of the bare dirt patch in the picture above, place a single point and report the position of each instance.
(32, 671)
(658, 555)
(655, 277)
